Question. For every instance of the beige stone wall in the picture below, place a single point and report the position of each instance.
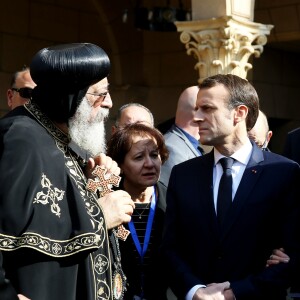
(27, 26)
(148, 67)
(284, 14)
(151, 67)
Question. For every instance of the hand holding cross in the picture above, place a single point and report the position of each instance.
(103, 183)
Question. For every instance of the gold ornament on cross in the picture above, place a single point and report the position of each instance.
(103, 183)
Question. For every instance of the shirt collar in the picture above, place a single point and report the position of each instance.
(242, 155)
(194, 141)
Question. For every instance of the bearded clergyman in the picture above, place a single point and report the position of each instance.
(58, 238)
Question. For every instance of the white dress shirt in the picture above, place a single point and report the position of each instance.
(241, 157)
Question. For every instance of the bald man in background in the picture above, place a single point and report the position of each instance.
(182, 139)
(131, 113)
(260, 133)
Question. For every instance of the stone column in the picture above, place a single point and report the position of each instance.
(223, 44)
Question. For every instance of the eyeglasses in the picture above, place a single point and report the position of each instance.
(102, 95)
(25, 92)
(99, 98)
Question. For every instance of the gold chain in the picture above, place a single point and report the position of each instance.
(140, 214)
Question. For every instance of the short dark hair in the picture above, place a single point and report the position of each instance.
(241, 92)
(120, 142)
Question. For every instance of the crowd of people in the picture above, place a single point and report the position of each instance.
(205, 209)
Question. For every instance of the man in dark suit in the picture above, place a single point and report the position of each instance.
(292, 145)
(260, 133)
(220, 252)
(292, 151)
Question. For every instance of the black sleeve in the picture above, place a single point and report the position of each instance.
(7, 292)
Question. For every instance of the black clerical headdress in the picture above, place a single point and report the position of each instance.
(63, 74)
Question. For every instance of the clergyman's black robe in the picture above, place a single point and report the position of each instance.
(53, 238)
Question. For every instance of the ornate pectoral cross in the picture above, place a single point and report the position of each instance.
(103, 183)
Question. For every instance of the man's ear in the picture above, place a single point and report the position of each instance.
(113, 129)
(9, 95)
(240, 113)
(269, 135)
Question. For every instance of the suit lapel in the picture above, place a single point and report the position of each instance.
(250, 177)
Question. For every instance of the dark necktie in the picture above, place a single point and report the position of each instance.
(225, 189)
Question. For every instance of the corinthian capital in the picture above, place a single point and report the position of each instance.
(223, 45)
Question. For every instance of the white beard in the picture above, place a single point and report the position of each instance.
(87, 133)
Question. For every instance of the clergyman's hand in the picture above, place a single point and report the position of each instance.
(117, 207)
(102, 160)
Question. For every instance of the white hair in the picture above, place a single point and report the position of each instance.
(88, 133)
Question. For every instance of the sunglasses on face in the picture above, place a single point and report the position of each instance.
(25, 92)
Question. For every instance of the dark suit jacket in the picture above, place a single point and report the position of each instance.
(263, 216)
(292, 145)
